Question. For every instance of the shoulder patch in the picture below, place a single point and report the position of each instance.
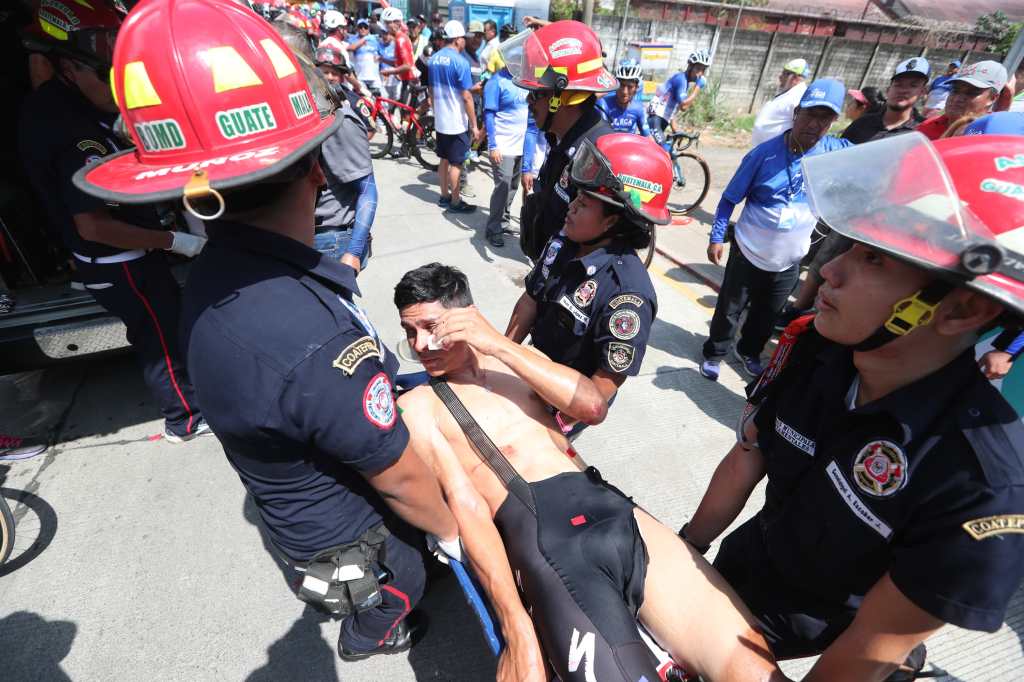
(986, 527)
(620, 356)
(624, 324)
(379, 402)
(353, 354)
(625, 299)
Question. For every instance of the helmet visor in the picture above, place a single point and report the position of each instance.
(513, 52)
(896, 194)
(592, 172)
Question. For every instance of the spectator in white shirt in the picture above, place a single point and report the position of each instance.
(776, 117)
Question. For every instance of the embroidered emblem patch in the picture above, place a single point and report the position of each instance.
(624, 324)
(563, 180)
(355, 353)
(624, 299)
(379, 402)
(585, 293)
(880, 468)
(986, 527)
(552, 253)
(620, 356)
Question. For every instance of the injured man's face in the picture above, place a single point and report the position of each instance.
(418, 321)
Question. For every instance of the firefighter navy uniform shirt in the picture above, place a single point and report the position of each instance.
(926, 483)
(593, 312)
(295, 383)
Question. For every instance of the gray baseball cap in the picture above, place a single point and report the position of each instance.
(986, 74)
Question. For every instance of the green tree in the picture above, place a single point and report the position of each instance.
(998, 25)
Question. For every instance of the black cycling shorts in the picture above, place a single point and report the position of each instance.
(580, 565)
(657, 124)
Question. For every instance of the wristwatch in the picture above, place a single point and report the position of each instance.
(701, 549)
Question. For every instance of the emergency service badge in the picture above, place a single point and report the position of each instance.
(624, 324)
(880, 468)
(620, 356)
(986, 527)
(623, 299)
(585, 293)
(355, 353)
(563, 180)
(379, 402)
(553, 248)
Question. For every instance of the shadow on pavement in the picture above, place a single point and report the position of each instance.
(33, 647)
(674, 340)
(300, 654)
(711, 397)
(35, 526)
(453, 647)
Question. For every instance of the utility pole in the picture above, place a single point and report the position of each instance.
(588, 12)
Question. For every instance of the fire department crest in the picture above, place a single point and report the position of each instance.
(563, 180)
(880, 468)
(624, 324)
(379, 402)
(620, 356)
(585, 293)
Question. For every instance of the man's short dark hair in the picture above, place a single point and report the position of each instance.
(433, 282)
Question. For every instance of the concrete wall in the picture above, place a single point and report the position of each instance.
(746, 80)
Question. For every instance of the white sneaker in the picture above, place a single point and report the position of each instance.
(202, 429)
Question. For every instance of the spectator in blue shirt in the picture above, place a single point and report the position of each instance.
(623, 112)
(774, 231)
(454, 114)
(505, 114)
(365, 49)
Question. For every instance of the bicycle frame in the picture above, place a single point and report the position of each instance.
(379, 103)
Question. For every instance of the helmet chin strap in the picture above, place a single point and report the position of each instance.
(908, 314)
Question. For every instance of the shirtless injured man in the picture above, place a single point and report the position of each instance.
(569, 563)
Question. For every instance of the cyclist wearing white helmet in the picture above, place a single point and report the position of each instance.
(334, 32)
(404, 68)
(623, 113)
(678, 91)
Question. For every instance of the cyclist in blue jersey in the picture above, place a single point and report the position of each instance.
(623, 113)
(679, 91)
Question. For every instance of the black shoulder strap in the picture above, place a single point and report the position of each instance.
(483, 444)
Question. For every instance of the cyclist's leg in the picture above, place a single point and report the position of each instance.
(693, 613)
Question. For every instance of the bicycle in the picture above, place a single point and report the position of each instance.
(416, 138)
(6, 530)
(690, 174)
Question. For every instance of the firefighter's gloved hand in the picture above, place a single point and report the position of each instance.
(445, 550)
(186, 244)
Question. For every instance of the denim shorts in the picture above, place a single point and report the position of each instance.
(333, 243)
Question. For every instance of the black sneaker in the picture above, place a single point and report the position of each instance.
(399, 641)
(496, 240)
(462, 207)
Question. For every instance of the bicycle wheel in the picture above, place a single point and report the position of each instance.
(384, 138)
(424, 144)
(696, 180)
(646, 254)
(6, 530)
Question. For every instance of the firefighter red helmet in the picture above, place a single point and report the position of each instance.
(954, 206)
(564, 55)
(626, 170)
(78, 30)
(213, 99)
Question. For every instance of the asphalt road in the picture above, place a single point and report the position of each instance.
(139, 559)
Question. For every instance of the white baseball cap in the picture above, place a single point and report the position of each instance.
(986, 74)
(914, 65)
(454, 29)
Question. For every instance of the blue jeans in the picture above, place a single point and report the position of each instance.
(334, 242)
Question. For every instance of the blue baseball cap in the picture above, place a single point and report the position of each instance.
(956, 63)
(999, 123)
(824, 92)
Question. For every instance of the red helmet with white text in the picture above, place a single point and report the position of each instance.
(78, 30)
(628, 171)
(212, 97)
(564, 55)
(954, 207)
